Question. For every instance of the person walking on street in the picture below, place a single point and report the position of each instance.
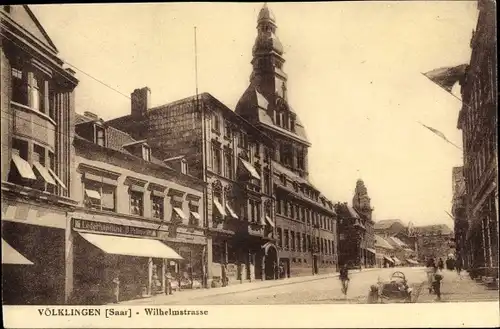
(344, 279)
(440, 264)
(436, 284)
(458, 266)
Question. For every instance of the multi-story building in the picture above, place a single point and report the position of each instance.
(478, 122)
(361, 204)
(37, 104)
(235, 160)
(351, 231)
(305, 219)
(459, 218)
(434, 241)
(136, 219)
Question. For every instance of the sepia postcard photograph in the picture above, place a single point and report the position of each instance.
(251, 165)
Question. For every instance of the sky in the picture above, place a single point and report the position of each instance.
(354, 78)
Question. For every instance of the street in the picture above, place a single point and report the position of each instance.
(322, 291)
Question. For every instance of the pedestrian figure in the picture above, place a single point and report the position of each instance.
(116, 287)
(373, 295)
(459, 268)
(440, 264)
(430, 272)
(344, 279)
(436, 284)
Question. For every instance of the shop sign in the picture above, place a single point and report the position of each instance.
(113, 228)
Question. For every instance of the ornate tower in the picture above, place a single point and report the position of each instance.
(361, 200)
(267, 75)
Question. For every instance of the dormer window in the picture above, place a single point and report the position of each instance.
(100, 136)
(184, 166)
(146, 153)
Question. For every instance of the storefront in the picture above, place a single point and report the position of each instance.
(32, 264)
(113, 262)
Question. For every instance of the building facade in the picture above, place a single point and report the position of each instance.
(458, 211)
(351, 231)
(478, 122)
(362, 205)
(434, 241)
(235, 160)
(136, 220)
(305, 219)
(37, 104)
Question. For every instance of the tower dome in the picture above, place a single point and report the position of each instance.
(266, 15)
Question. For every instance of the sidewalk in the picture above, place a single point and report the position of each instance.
(458, 289)
(186, 295)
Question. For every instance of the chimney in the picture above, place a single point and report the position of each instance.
(90, 115)
(140, 102)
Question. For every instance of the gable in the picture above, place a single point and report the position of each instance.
(23, 16)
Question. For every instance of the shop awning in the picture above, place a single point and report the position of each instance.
(12, 256)
(371, 250)
(93, 194)
(220, 208)
(44, 173)
(181, 213)
(396, 260)
(251, 169)
(195, 215)
(270, 221)
(23, 167)
(58, 180)
(388, 259)
(119, 245)
(231, 211)
(411, 261)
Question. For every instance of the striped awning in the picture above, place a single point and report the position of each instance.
(12, 256)
(371, 250)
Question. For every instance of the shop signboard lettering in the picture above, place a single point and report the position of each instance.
(113, 228)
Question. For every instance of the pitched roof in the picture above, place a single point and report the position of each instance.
(382, 243)
(24, 16)
(386, 223)
(397, 242)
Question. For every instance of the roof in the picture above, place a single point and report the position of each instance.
(396, 242)
(386, 223)
(254, 107)
(382, 243)
(295, 177)
(125, 121)
(433, 229)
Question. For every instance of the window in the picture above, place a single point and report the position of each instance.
(278, 118)
(216, 161)
(292, 125)
(309, 246)
(304, 243)
(194, 218)
(99, 196)
(255, 212)
(100, 136)
(37, 92)
(299, 242)
(257, 150)
(267, 182)
(286, 154)
(136, 203)
(279, 237)
(228, 164)
(292, 236)
(157, 205)
(301, 159)
(286, 242)
(227, 130)
(146, 153)
(39, 160)
(216, 122)
(242, 140)
(184, 167)
(19, 87)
